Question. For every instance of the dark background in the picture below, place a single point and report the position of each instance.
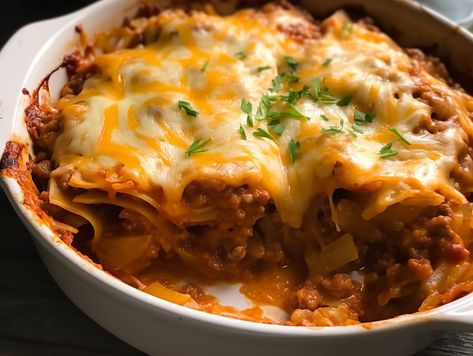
(36, 318)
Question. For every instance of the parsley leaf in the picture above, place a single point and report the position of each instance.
(242, 132)
(262, 69)
(327, 62)
(357, 129)
(293, 96)
(345, 101)
(387, 151)
(204, 67)
(334, 129)
(247, 108)
(198, 147)
(260, 133)
(292, 64)
(294, 148)
(324, 117)
(361, 118)
(276, 126)
(264, 106)
(400, 135)
(326, 98)
(276, 83)
(241, 55)
(317, 90)
(187, 107)
(291, 111)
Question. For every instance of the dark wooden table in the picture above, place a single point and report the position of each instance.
(36, 318)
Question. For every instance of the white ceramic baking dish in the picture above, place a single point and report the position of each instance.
(159, 327)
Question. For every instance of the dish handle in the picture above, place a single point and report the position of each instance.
(17, 57)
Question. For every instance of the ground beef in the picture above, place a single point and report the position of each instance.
(340, 286)
(224, 239)
(308, 298)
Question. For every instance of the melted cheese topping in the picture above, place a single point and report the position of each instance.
(125, 132)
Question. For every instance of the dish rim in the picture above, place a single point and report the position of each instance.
(110, 284)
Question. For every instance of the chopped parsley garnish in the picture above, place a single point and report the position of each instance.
(345, 101)
(292, 64)
(361, 118)
(204, 67)
(357, 129)
(187, 107)
(242, 132)
(293, 96)
(387, 151)
(241, 55)
(198, 147)
(334, 129)
(264, 106)
(324, 117)
(276, 84)
(400, 135)
(276, 126)
(291, 111)
(317, 89)
(327, 62)
(326, 98)
(247, 108)
(262, 69)
(260, 133)
(348, 27)
(294, 148)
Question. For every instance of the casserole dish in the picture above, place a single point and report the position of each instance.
(137, 320)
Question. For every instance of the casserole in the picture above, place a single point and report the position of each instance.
(372, 332)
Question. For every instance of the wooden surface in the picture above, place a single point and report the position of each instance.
(36, 318)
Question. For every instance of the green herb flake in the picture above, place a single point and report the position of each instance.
(291, 111)
(327, 62)
(293, 96)
(198, 147)
(357, 129)
(277, 82)
(187, 107)
(332, 130)
(327, 99)
(317, 90)
(292, 64)
(260, 133)
(400, 135)
(276, 126)
(294, 148)
(387, 151)
(324, 117)
(241, 55)
(345, 101)
(361, 118)
(262, 69)
(292, 78)
(264, 106)
(247, 108)
(294, 112)
(242, 132)
(204, 67)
